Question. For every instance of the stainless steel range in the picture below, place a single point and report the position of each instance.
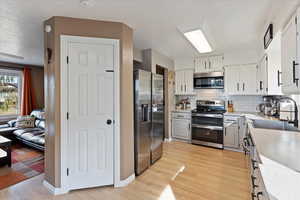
(207, 123)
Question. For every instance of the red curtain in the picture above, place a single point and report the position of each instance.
(28, 100)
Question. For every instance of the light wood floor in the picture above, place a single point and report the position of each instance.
(185, 172)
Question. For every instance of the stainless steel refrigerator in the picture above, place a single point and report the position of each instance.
(157, 132)
(148, 119)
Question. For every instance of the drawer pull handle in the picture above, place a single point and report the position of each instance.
(259, 194)
(253, 195)
(253, 178)
(253, 164)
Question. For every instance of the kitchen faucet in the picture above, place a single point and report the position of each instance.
(295, 122)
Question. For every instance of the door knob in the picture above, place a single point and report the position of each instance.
(108, 121)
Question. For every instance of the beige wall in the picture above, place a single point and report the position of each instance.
(88, 28)
(137, 55)
(151, 58)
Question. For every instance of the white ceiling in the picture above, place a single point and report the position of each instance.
(229, 24)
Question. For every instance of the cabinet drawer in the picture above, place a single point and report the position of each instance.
(181, 115)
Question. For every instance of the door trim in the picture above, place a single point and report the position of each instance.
(64, 41)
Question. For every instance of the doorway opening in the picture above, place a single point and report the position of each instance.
(164, 72)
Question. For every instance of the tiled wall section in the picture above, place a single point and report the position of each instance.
(241, 103)
(297, 99)
(246, 103)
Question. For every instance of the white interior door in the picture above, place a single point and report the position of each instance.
(91, 97)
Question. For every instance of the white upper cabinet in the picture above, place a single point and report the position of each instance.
(290, 58)
(241, 80)
(262, 81)
(184, 84)
(232, 80)
(209, 64)
(272, 65)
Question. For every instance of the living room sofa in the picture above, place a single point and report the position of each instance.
(34, 137)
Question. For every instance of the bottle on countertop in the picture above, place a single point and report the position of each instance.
(230, 106)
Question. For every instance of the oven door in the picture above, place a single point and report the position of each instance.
(207, 135)
(207, 119)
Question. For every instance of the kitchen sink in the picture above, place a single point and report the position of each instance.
(276, 125)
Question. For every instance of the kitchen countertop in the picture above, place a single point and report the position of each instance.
(252, 115)
(183, 110)
(278, 153)
(278, 145)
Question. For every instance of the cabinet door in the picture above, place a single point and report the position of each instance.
(189, 82)
(206, 64)
(248, 80)
(179, 82)
(201, 65)
(261, 74)
(232, 85)
(231, 136)
(274, 66)
(216, 63)
(181, 129)
(289, 55)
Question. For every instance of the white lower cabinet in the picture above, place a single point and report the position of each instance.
(233, 131)
(231, 136)
(181, 126)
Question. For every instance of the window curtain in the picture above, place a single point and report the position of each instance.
(28, 100)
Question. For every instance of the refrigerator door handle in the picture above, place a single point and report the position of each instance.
(145, 113)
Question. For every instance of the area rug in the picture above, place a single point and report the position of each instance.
(26, 163)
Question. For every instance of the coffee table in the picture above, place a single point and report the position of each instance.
(5, 145)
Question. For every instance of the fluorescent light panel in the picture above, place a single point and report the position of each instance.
(198, 40)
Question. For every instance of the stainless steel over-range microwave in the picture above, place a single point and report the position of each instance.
(211, 80)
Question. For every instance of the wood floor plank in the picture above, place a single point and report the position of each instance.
(185, 172)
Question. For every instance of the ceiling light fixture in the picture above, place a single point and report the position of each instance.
(11, 55)
(198, 40)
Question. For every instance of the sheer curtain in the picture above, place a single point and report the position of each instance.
(28, 99)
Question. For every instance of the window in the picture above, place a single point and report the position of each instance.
(10, 92)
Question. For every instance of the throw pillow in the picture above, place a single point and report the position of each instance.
(25, 121)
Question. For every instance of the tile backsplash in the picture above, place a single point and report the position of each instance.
(246, 103)
(241, 103)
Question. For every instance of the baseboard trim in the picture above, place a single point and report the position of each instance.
(125, 182)
(168, 139)
(54, 190)
(233, 149)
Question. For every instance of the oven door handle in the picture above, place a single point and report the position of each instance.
(208, 115)
(218, 128)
